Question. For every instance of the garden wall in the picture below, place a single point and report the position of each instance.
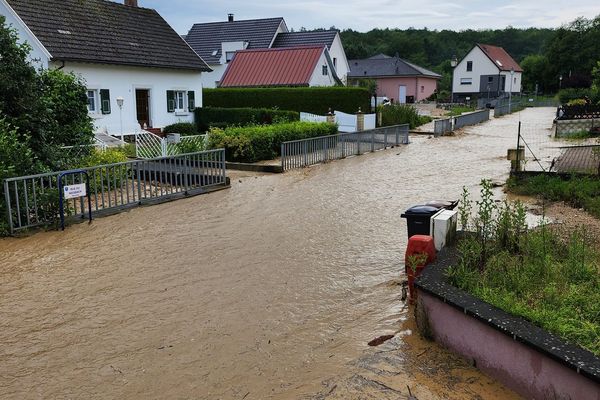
(519, 354)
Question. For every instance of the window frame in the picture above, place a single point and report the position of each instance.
(227, 56)
(95, 98)
(183, 99)
(466, 81)
(469, 66)
(324, 70)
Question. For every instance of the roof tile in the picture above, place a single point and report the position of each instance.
(106, 32)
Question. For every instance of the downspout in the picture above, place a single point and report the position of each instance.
(62, 66)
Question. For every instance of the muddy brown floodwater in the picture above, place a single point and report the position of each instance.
(270, 289)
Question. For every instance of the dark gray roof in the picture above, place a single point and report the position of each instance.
(206, 38)
(386, 66)
(100, 31)
(293, 39)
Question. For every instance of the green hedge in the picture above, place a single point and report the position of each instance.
(397, 114)
(263, 142)
(221, 117)
(184, 128)
(316, 100)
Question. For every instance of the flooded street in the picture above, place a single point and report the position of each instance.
(270, 289)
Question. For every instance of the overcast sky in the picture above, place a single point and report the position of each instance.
(364, 15)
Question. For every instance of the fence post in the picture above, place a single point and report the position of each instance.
(360, 120)
(8, 210)
(372, 141)
(305, 151)
(163, 147)
(282, 156)
(518, 162)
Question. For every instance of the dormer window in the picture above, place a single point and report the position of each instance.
(229, 56)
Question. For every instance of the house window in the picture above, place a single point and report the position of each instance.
(180, 101)
(229, 56)
(422, 89)
(490, 79)
(466, 81)
(325, 70)
(334, 62)
(92, 101)
(469, 66)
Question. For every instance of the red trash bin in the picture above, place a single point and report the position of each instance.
(418, 244)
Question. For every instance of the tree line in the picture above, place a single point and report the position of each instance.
(570, 51)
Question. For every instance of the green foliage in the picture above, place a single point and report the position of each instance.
(567, 95)
(459, 110)
(184, 128)
(316, 100)
(396, 114)
(596, 76)
(578, 191)
(190, 146)
(263, 142)
(464, 209)
(544, 275)
(220, 117)
(535, 70)
(111, 155)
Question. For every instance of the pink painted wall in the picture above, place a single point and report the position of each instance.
(519, 367)
(389, 87)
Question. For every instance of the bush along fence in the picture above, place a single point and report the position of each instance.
(34, 200)
(306, 152)
(315, 100)
(443, 126)
(221, 117)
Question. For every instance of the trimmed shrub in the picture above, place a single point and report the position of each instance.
(316, 100)
(396, 114)
(263, 142)
(220, 117)
(567, 95)
(184, 128)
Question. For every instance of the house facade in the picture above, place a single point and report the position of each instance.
(217, 42)
(138, 71)
(396, 78)
(293, 66)
(486, 72)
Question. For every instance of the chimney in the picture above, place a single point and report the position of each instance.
(131, 3)
(230, 17)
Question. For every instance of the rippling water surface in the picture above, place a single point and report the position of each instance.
(270, 289)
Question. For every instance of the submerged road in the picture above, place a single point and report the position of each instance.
(271, 289)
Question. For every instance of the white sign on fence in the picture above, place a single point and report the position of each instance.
(74, 191)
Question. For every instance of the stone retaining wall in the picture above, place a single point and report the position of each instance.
(565, 127)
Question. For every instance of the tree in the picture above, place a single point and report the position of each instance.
(535, 71)
(46, 109)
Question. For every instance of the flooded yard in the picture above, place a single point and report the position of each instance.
(271, 289)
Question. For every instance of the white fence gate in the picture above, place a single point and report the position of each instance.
(308, 117)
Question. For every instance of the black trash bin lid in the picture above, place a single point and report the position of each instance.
(424, 211)
(442, 204)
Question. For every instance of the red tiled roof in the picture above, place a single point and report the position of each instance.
(272, 67)
(500, 57)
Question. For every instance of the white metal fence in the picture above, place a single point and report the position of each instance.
(346, 122)
(149, 145)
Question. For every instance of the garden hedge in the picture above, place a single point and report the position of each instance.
(222, 117)
(316, 100)
(263, 142)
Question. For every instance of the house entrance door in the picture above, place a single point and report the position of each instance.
(402, 94)
(142, 105)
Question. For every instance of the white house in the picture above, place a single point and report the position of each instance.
(486, 72)
(217, 42)
(126, 54)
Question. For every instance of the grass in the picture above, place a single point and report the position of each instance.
(577, 191)
(458, 110)
(544, 275)
(581, 135)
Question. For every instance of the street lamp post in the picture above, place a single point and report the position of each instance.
(560, 78)
(453, 64)
(120, 102)
(512, 74)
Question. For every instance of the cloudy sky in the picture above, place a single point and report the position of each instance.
(364, 15)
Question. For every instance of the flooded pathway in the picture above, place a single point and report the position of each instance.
(271, 289)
